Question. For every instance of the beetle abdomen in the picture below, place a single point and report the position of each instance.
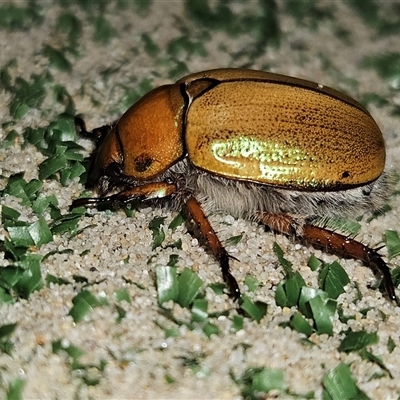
(283, 135)
(242, 199)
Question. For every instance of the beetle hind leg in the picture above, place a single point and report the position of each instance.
(333, 242)
(350, 248)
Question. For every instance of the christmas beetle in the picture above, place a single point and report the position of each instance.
(282, 151)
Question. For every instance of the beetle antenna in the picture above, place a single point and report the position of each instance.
(95, 134)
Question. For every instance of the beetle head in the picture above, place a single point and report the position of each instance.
(146, 141)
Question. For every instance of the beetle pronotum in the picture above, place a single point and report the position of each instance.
(282, 151)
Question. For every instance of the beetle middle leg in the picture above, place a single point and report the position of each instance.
(165, 189)
(333, 242)
(197, 214)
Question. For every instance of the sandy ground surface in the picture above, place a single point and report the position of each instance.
(119, 53)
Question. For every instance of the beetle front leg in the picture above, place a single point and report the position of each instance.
(149, 191)
(333, 242)
(215, 244)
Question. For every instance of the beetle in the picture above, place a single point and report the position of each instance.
(282, 151)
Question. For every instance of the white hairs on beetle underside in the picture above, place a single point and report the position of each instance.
(245, 199)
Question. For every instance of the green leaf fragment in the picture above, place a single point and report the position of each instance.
(332, 279)
(57, 59)
(41, 203)
(8, 213)
(234, 240)
(40, 232)
(36, 234)
(7, 330)
(269, 379)
(27, 95)
(189, 286)
(13, 17)
(217, 288)
(286, 264)
(392, 243)
(103, 30)
(288, 292)
(52, 279)
(158, 232)
(63, 345)
(258, 381)
(340, 385)
(368, 356)
(18, 187)
(11, 139)
(354, 341)
(308, 293)
(23, 278)
(210, 329)
(14, 391)
(167, 284)
(52, 165)
(391, 345)
(199, 310)
(6, 344)
(83, 302)
(314, 263)
(122, 295)
(255, 310)
(177, 221)
(66, 223)
(237, 323)
(252, 283)
(150, 47)
(69, 24)
(300, 324)
(323, 312)
(173, 260)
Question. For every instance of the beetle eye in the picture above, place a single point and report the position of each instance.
(142, 163)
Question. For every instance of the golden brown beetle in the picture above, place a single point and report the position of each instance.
(285, 152)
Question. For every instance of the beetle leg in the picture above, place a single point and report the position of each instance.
(97, 133)
(332, 241)
(215, 244)
(144, 192)
(350, 248)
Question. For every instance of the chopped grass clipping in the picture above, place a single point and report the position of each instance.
(84, 302)
(332, 279)
(260, 381)
(22, 278)
(15, 388)
(167, 284)
(316, 304)
(354, 341)
(392, 243)
(288, 292)
(182, 289)
(340, 385)
(6, 331)
(156, 226)
(255, 310)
